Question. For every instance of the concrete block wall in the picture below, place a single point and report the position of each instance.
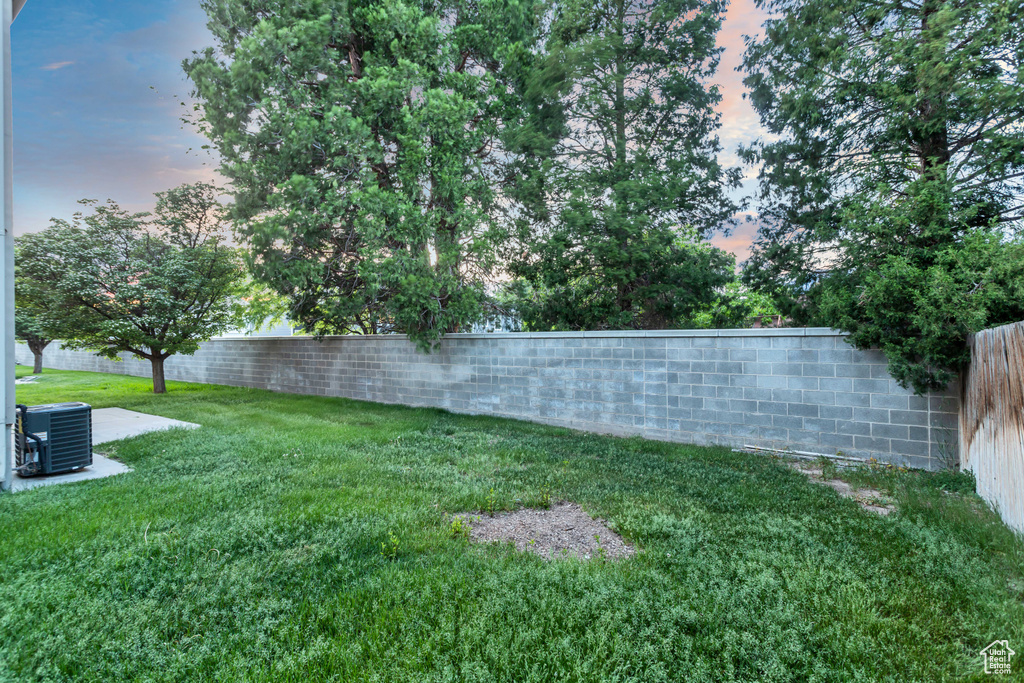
(804, 389)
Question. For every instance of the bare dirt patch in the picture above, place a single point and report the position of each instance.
(870, 499)
(563, 530)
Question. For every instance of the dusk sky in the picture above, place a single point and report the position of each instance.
(98, 88)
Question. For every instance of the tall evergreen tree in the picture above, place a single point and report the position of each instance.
(634, 186)
(893, 182)
(365, 141)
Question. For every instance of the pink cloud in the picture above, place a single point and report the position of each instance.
(740, 239)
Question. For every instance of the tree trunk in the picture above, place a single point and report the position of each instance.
(159, 386)
(36, 346)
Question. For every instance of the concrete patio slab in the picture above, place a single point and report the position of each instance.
(111, 424)
(101, 467)
(108, 424)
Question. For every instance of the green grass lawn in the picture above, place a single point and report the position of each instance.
(250, 550)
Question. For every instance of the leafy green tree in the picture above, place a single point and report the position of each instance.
(683, 280)
(151, 289)
(38, 310)
(891, 185)
(634, 185)
(736, 307)
(365, 141)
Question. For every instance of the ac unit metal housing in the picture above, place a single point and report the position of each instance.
(52, 438)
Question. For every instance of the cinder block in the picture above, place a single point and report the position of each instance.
(757, 343)
(804, 437)
(655, 423)
(786, 342)
(871, 443)
(788, 421)
(788, 395)
(803, 409)
(946, 404)
(655, 353)
(677, 414)
(655, 411)
(743, 380)
(803, 383)
(772, 356)
(879, 371)
(871, 386)
(944, 449)
(758, 419)
(691, 403)
(853, 428)
(679, 390)
(853, 399)
(713, 417)
(835, 384)
(655, 399)
(802, 356)
(819, 342)
(819, 370)
(835, 356)
(743, 406)
(836, 440)
(716, 354)
(757, 368)
(908, 417)
(772, 408)
(855, 370)
(906, 447)
(757, 393)
(744, 430)
(890, 431)
(836, 412)
(922, 462)
(716, 404)
(821, 398)
(819, 425)
(788, 369)
(896, 390)
(729, 392)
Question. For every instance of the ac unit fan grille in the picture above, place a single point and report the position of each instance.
(70, 438)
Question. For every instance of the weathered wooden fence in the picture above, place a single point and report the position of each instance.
(992, 420)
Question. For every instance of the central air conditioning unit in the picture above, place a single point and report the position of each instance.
(52, 438)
